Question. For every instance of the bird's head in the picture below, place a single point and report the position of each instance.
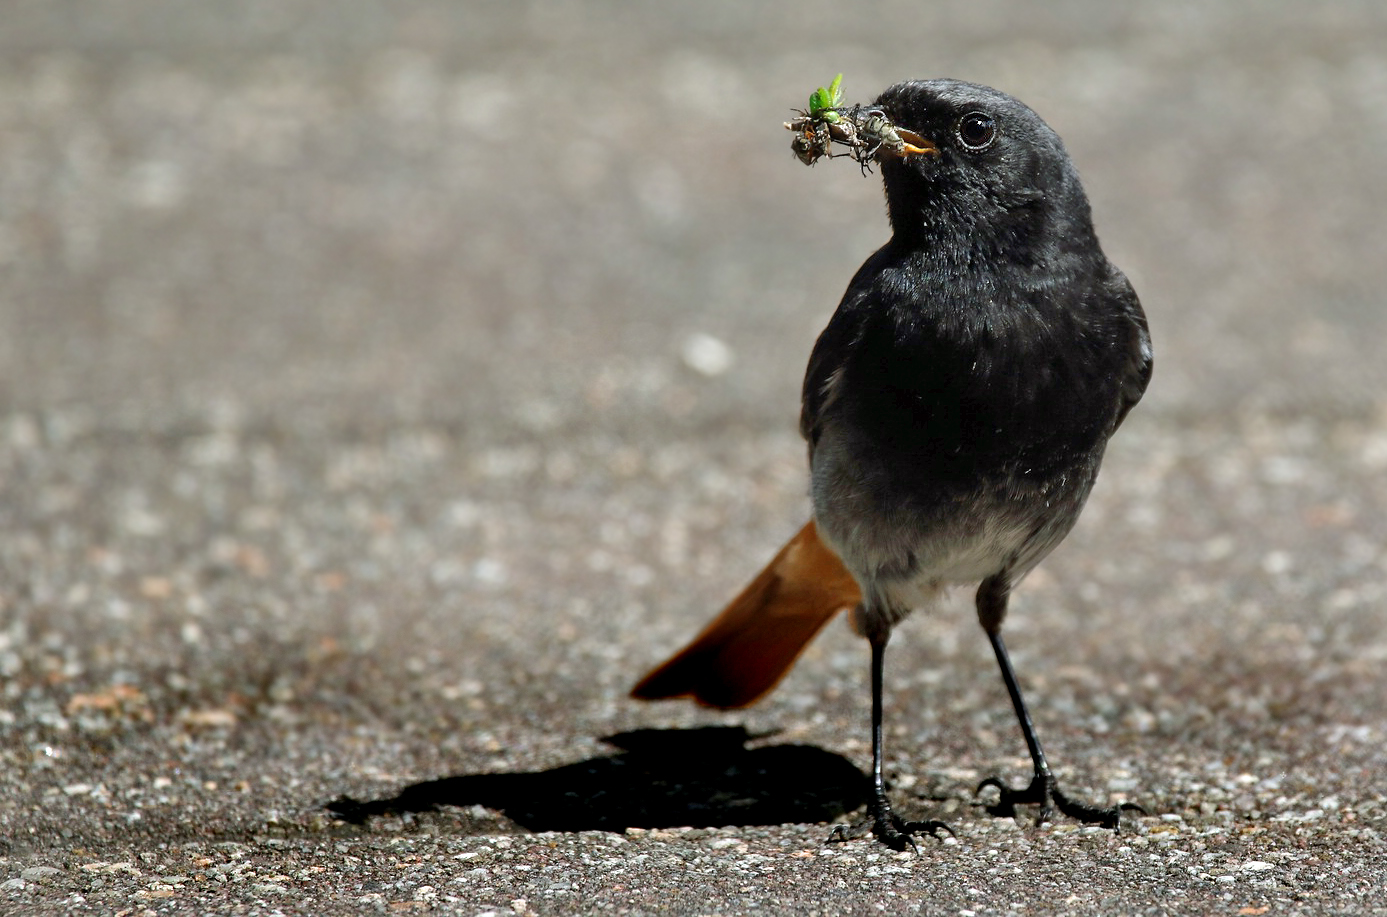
(981, 163)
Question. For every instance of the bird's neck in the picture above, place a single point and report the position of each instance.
(993, 244)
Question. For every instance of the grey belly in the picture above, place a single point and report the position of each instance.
(906, 537)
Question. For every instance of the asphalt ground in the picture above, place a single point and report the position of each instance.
(384, 387)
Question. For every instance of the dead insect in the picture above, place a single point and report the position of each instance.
(878, 132)
(812, 138)
(878, 135)
(865, 131)
(822, 124)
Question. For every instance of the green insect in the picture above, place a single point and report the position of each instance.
(824, 103)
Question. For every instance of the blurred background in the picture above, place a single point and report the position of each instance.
(385, 386)
(421, 207)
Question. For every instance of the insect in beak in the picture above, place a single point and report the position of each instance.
(912, 144)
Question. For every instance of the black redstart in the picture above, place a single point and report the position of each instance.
(956, 408)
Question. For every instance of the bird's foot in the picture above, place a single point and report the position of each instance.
(1044, 792)
(889, 828)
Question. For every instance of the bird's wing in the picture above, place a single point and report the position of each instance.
(1136, 373)
(825, 370)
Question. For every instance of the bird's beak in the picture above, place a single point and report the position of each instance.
(912, 145)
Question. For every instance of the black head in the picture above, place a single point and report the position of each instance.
(996, 170)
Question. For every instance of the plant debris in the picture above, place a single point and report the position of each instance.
(864, 130)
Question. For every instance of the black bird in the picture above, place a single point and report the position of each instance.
(956, 407)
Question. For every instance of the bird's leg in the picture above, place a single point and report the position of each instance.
(1043, 790)
(888, 827)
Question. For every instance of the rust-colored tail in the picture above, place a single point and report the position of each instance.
(748, 648)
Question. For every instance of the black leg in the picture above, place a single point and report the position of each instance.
(888, 827)
(1043, 790)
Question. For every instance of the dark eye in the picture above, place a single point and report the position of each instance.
(977, 131)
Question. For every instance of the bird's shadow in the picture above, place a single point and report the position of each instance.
(705, 777)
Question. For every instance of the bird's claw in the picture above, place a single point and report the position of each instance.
(1044, 792)
(889, 828)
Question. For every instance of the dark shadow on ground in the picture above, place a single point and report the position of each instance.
(663, 778)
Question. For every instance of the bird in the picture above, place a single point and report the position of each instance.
(956, 409)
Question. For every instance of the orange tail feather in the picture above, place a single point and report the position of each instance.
(747, 649)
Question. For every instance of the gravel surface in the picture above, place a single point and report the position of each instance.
(387, 386)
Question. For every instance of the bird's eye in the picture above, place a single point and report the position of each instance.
(976, 131)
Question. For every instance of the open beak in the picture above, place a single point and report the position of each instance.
(912, 144)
